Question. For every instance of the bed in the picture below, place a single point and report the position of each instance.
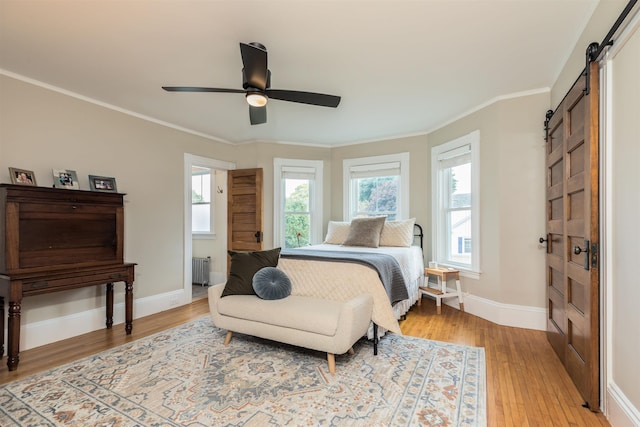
(329, 276)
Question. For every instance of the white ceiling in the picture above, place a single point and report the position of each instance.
(401, 67)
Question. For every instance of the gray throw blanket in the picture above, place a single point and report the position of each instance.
(387, 267)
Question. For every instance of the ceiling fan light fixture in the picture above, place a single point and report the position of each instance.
(257, 99)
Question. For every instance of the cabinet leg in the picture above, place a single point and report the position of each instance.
(109, 305)
(14, 335)
(1, 327)
(128, 307)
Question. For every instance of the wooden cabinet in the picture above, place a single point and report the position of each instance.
(45, 228)
(57, 239)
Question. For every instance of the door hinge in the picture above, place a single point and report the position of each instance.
(594, 255)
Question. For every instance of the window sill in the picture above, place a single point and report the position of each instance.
(475, 275)
(203, 236)
(464, 272)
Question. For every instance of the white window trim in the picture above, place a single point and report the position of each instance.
(437, 229)
(314, 166)
(211, 234)
(191, 160)
(349, 164)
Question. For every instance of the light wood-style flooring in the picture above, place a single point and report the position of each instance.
(526, 384)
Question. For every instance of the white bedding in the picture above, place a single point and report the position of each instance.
(337, 280)
(410, 259)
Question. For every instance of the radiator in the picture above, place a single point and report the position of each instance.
(200, 270)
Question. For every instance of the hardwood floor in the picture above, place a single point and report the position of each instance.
(526, 384)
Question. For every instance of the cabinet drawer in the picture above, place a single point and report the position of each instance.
(44, 285)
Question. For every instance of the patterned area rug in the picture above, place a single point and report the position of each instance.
(186, 377)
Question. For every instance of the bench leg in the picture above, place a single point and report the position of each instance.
(227, 338)
(351, 351)
(375, 339)
(331, 359)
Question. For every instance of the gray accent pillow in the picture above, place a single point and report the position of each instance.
(271, 283)
(365, 232)
(243, 266)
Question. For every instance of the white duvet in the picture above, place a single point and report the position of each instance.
(341, 281)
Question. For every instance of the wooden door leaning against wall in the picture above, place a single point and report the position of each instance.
(572, 239)
(244, 210)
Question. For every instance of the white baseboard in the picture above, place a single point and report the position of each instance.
(519, 316)
(620, 411)
(44, 332)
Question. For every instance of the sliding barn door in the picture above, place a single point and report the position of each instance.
(244, 210)
(572, 236)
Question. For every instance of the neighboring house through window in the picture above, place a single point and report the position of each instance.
(202, 213)
(376, 186)
(297, 202)
(455, 180)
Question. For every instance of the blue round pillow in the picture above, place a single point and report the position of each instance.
(271, 283)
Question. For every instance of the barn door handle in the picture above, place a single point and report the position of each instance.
(578, 250)
(258, 236)
(542, 240)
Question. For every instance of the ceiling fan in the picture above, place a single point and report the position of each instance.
(256, 82)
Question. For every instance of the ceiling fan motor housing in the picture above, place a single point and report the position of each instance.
(245, 83)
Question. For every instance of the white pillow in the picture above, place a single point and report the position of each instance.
(397, 233)
(337, 232)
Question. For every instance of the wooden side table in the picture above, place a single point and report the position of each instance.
(441, 292)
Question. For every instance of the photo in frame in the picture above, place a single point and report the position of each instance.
(102, 183)
(65, 178)
(22, 176)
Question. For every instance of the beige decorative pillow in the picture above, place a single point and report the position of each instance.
(397, 233)
(365, 232)
(337, 232)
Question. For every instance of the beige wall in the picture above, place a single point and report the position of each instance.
(512, 198)
(41, 129)
(622, 285)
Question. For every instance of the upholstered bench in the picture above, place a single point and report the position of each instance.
(328, 326)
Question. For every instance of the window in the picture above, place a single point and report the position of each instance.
(377, 186)
(297, 202)
(455, 191)
(202, 181)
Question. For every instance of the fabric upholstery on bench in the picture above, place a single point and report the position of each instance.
(329, 326)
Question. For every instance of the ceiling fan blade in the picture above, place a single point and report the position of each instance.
(200, 89)
(258, 115)
(254, 58)
(311, 98)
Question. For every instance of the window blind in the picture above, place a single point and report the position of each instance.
(373, 170)
(456, 157)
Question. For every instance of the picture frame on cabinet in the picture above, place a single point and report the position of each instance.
(103, 183)
(22, 176)
(65, 178)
